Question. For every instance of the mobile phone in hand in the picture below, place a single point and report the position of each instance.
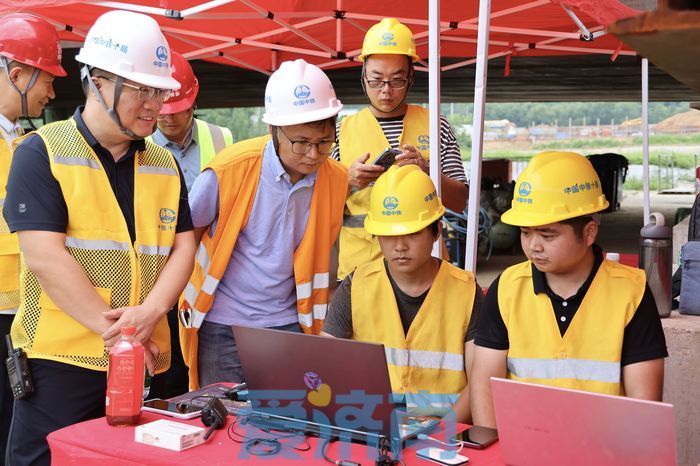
(387, 158)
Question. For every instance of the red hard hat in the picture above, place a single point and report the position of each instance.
(183, 98)
(32, 41)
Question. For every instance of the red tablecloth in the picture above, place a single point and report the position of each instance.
(95, 442)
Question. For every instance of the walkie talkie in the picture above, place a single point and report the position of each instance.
(18, 371)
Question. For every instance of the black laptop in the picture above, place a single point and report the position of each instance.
(327, 383)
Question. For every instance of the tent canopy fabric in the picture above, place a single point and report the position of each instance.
(259, 34)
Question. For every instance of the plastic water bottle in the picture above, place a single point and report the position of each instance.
(125, 380)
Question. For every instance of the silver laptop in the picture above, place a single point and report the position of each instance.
(549, 426)
(326, 381)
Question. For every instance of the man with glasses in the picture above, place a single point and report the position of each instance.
(30, 59)
(104, 230)
(388, 54)
(268, 211)
(193, 143)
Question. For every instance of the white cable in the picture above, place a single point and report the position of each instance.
(447, 444)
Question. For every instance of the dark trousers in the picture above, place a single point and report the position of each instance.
(63, 395)
(6, 399)
(177, 377)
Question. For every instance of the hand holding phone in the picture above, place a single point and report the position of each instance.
(440, 456)
(478, 437)
(387, 158)
(179, 410)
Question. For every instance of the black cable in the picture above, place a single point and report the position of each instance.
(265, 446)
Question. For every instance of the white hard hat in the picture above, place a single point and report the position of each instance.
(130, 45)
(299, 92)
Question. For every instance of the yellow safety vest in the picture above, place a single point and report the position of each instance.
(588, 356)
(97, 237)
(211, 139)
(361, 133)
(238, 169)
(430, 358)
(9, 245)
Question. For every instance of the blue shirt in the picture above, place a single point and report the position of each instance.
(258, 288)
(187, 154)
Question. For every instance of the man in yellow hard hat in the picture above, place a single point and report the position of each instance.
(566, 317)
(421, 309)
(388, 54)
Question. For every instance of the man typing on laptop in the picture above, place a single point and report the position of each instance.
(566, 317)
(421, 309)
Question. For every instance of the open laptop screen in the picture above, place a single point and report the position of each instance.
(550, 426)
(329, 381)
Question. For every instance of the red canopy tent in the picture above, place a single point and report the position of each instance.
(259, 34)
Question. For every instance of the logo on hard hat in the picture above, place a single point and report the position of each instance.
(162, 53)
(424, 139)
(525, 189)
(302, 91)
(167, 215)
(390, 203)
(388, 36)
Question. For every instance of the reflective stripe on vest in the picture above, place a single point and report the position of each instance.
(9, 244)
(430, 358)
(122, 273)
(588, 356)
(238, 168)
(581, 369)
(361, 133)
(211, 139)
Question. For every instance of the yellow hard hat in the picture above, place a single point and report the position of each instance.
(390, 37)
(555, 186)
(403, 201)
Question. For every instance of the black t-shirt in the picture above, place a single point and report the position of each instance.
(339, 318)
(643, 339)
(35, 200)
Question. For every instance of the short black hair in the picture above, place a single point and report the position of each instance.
(435, 227)
(578, 224)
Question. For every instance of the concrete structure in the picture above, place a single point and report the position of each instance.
(682, 375)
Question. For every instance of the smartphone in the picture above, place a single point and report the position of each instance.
(440, 456)
(478, 437)
(179, 410)
(387, 158)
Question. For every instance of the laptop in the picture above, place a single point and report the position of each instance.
(550, 426)
(325, 382)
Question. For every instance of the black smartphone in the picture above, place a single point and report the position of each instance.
(179, 410)
(387, 158)
(478, 437)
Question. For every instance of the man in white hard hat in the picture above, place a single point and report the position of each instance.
(30, 59)
(268, 211)
(104, 230)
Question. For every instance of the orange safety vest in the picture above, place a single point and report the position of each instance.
(237, 169)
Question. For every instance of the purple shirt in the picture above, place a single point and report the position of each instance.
(258, 288)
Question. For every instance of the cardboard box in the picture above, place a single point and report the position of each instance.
(172, 435)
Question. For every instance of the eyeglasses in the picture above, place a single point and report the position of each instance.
(302, 147)
(379, 84)
(145, 93)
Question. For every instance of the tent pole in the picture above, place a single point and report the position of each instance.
(434, 101)
(477, 134)
(339, 27)
(645, 137)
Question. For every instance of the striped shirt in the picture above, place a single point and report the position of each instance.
(451, 157)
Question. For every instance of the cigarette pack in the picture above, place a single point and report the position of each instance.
(172, 435)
